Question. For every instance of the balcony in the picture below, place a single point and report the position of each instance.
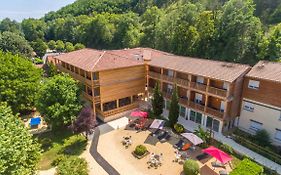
(218, 92)
(198, 86)
(119, 110)
(197, 106)
(74, 75)
(182, 82)
(214, 112)
(168, 78)
(87, 96)
(97, 99)
(183, 101)
(154, 75)
(167, 95)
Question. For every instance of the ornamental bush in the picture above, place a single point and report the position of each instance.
(73, 165)
(190, 167)
(179, 128)
(140, 150)
(247, 167)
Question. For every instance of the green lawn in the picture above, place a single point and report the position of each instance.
(61, 142)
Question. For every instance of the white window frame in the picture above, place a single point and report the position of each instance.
(198, 98)
(253, 84)
(277, 135)
(248, 106)
(255, 126)
(200, 80)
(170, 88)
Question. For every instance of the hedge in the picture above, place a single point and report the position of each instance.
(247, 167)
(72, 165)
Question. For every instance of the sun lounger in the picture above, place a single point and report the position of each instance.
(186, 147)
(162, 136)
(179, 144)
(156, 132)
(166, 138)
(223, 172)
(217, 164)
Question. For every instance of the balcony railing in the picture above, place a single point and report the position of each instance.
(198, 86)
(183, 101)
(214, 112)
(168, 78)
(87, 96)
(197, 106)
(216, 91)
(167, 95)
(154, 74)
(97, 99)
(182, 82)
(119, 110)
(74, 75)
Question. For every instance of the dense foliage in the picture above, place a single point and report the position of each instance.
(19, 82)
(243, 31)
(190, 167)
(140, 150)
(157, 101)
(179, 128)
(247, 167)
(174, 108)
(72, 165)
(58, 100)
(262, 137)
(19, 153)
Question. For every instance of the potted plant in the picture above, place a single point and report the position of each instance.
(140, 151)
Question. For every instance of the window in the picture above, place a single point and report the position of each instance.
(254, 84)
(170, 73)
(182, 111)
(255, 126)
(195, 117)
(198, 118)
(248, 106)
(213, 124)
(225, 85)
(169, 89)
(222, 106)
(200, 80)
(192, 115)
(198, 98)
(95, 75)
(278, 134)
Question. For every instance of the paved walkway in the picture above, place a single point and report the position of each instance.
(51, 171)
(237, 147)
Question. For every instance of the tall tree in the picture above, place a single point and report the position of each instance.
(174, 108)
(52, 45)
(58, 100)
(33, 29)
(7, 25)
(19, 153)
(60, 46)
(69, 47)
(14, 43)
(78, 46)
(19, 81)
(40, 47)
(157, 101)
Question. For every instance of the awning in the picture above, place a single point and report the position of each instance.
(139, 114)
(194, 139)
(218, 154)
(157, 124)
(35, 121)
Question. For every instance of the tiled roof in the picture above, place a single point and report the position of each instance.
(97, 60)
(224, 71)
(266, 70)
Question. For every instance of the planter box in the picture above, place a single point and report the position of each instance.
(142, 156)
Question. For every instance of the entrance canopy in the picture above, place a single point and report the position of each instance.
(218, 154)
(194, 139)
(157, 124)
(139, 114)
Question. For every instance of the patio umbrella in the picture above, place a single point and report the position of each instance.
(139, 114)
(157, 124)
(194, 139)
(218, 154)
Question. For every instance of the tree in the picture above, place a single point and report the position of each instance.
(262, 138)
(19, 153)
(204, 135)
(19, 81)
(60, 46)
(85, 122)
(7, 25)
(40, 47)
(174, 108)
(33, 29)
(79, 46)
(157, 101)
(58, 100)
(190, 167)
(69, 47)
(14, 43)
(50, 69)
(52, 45)
(72, 165)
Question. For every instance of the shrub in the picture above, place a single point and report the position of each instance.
(140, 150)
(247, 167)
(178, 128)
(227, 148)
(191, 167)
(46, 143)
(72, 165)
(262, 138)
(38, 61)
(58, 159)
(74, 145)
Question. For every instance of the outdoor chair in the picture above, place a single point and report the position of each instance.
(162, 136)
(223, 172)
(156, 132)
(179, 144)
(186, 147)
(217, 164)
(166, 138)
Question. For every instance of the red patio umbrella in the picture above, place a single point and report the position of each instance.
(218, 154)
(139, 114)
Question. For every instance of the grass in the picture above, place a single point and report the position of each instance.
(56, 143)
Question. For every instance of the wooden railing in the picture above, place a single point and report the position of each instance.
(87, 96)
(216, 91)
(167, 95)
(119, 110)
(197, 106)
(182, 82)
(97, 99)
(168, 78)
(183, 101)
(154, 74)
(214, 112)
(74, 75)
(198, 86)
